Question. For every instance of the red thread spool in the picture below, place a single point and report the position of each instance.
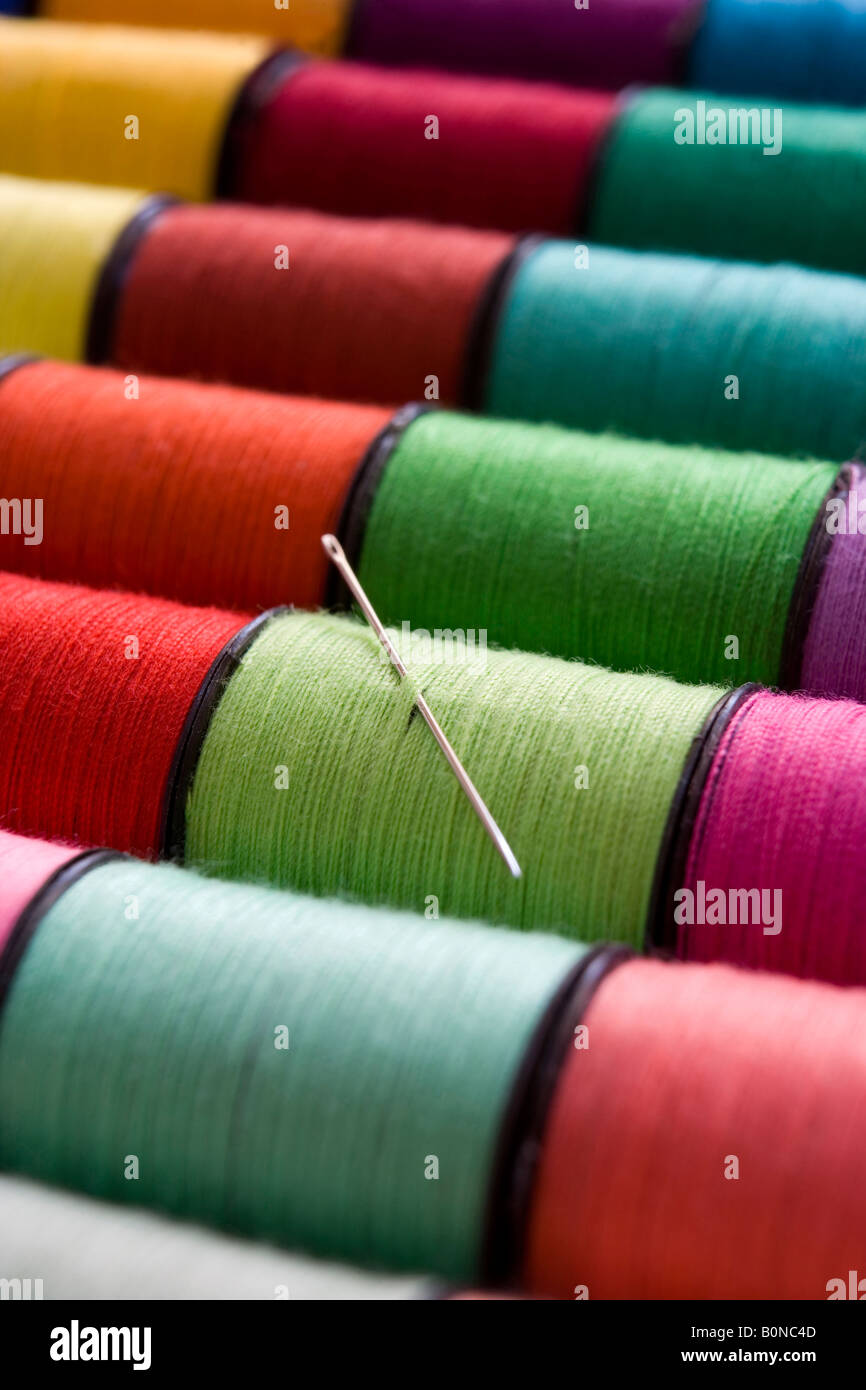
(686, 1067)
(365, 311)
(782, 815)
(90, 729)
(348, 138)
(176, 492)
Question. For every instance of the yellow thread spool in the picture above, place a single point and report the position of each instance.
(317, 26)
(54, 239)
(137, 108)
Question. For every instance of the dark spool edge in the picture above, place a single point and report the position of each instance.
(194, 731)
(42, 901)
(807, 585)
(358, 503)
(14, 360)
(660, 930)
(486, 318)
(585, 198)
(256, 91)
(99, 344)
(512, 1179)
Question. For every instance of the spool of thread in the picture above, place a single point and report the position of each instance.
(223, 1002)
(629, 554)
(761, 357)
(604, 46)
(94, 1250)
(358, 801)
(707, 1143)
(94, 693)
(731, 199)
(25, 867)
(801, 50)
(87, 103)
(773, 876)
(204, 494)
(834, 660)
(54, 241)
(371, 142)
(317, 26)
(295, 301)
(312, 730)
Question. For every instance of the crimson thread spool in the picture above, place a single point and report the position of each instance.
(95, 692)
(367, 141)
(706, 1141)
(204, 494)
(302, 302)
(773, 874)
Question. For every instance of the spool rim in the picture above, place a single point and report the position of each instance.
(42, 901)
(112, 278)
(358, 503)
(486, 321)
(512, 1176)
(172, 838)
(256, 90)
(660, 928)
(807, 585)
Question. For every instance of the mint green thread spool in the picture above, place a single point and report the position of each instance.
(153, 1037)
(316, 775)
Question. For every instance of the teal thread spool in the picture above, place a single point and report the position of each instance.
(154, 1036)
(315, 774)
(648, 345)
(677, 548)
(806, 204)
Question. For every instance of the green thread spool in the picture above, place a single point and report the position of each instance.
(155, 1037)
(805, 204)
(647, 344)
(315, 774)
(683, 547)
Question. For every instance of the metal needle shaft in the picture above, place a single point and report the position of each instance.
(337, 555)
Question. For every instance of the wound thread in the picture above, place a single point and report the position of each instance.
(205, 494)
(321, 1144)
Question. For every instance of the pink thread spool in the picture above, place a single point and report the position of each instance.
(783, 815)
(25, 867)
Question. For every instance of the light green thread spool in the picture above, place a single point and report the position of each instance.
(155, 1038)
(314, 774)
(677, 551)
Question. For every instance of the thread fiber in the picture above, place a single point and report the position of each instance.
(316, 774)
(314, 25)
(649, 344)
(24, 867)
(54, 239)
(89, 732)
(784, 812)
(685, 1069)
(805, 204)
(834, 657)
(67, 91)
(348, 138)
(802, 50)
(677, 549)
(404, 1041)
(204, 494)
(364, 311)
(94, 1250)
(604, 46)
